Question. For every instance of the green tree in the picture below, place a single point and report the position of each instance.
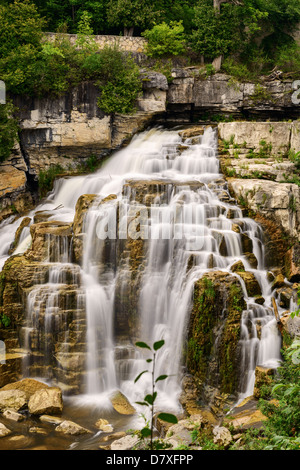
(8, 130)
(131, 14)
(117, 77)
(165, 40)
(20, 44)
(221, 28)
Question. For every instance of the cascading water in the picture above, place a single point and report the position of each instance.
(169, 195)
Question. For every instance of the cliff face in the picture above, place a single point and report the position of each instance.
(68, 130)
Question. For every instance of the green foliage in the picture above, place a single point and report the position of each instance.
(165, 39)
(117, 77)
(47, 177)
(8, 130)
(283, 414)
(5, 321)
(150, 398)
(288, 58)
(20, 44)
(131, 13)
(85, 41)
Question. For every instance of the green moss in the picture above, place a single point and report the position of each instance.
(215, 330)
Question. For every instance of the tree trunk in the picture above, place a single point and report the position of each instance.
(128, 31)
(217, 4)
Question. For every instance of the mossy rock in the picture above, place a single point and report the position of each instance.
(214, 330)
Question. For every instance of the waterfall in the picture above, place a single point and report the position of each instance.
(170, 208)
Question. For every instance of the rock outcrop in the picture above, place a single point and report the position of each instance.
(212, 354)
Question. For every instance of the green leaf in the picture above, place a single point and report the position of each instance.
(146, 432)
(142, 403)
(161, 377)
(148, 360)
(168, 418)
(150, 398)
(137, 378)
(158, 344)
(140, 344)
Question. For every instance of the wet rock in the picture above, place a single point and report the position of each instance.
(115, 436)
(4, 431)
(104, 425)
(121, 404)
(51, 419)
(46, 401)
(45, 239)
(252, 260)
(278, 281)
(237, 267)
(259, 300)
(37, 430)
(246, 415)
(12, 400)
(191, 132)
(13, 415)
(28, 386)
(69, 427)
(251, 283)
(247, 244)
(25, 222)
(285, 295)
(125, 443)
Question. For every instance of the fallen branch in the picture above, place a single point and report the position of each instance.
(279, 323)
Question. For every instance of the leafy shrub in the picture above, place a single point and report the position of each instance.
(284, 413)
(165, 40)
(8, 130)
(288, 58)
(117, 77)
(47, 177)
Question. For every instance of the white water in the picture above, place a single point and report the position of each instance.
(187, 219)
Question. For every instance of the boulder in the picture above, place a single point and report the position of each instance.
(69, 427)
(246, 415)
(278, 281)
(114, 436)
(104, 425)
(237, 267)
(46, 401)
(121, 404)
(222, 436)
(125, 443)
(12, 400)
(28, 386)
(251, 283)
(13, 415)
(180, 434)
(4, 431)
(291, 325)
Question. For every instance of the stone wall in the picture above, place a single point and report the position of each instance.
(125, 43)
